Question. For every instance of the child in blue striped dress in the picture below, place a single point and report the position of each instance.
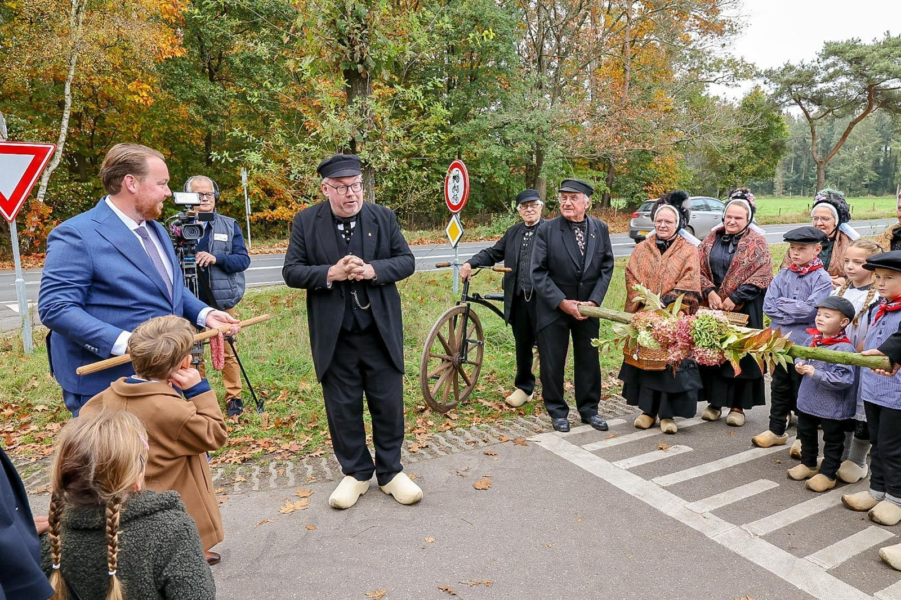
(827, 397)
(882, 403)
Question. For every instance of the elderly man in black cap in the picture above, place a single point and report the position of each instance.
(348, 255)
(515, 250)
(571, 266)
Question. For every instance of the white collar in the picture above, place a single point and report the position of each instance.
(131, 223)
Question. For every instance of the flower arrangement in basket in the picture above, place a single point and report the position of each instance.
(658, 336)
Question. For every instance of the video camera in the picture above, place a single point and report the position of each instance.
(184, 227)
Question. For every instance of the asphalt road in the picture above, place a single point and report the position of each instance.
(265, 269)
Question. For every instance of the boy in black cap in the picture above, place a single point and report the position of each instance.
(515, 250)
(827, 397)
(882, 402)
(791, 304)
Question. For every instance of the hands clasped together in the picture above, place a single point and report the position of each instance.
(351, 268)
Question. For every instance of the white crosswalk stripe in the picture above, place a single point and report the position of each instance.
(732, 496)
(718, 465)
(834, 555)
(638, 435)
(644, 459)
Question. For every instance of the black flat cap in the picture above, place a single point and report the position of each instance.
(886, 260)
(805, 235)
(339, 165)
(528, 195)
(576, 185)
(840, 304)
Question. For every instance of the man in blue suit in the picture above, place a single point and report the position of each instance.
(109, 270)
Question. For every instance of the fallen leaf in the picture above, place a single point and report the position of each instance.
(264, 521)
(548, 545)
(504, 439)
(377, 594)
(264, 420)
(612, 435)
(239, 479)
(412, 476)
(482, 484)
(220, 490)
(490, 453)
(302, 493)
(430, 540)
(777, 461)
(448, 589)
(223, 499)
(289, 507)
(475, 582)
(663, 446)
(520, 442)
(311, 527)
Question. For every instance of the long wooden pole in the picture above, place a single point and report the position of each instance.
(796, 351)
(125, 358)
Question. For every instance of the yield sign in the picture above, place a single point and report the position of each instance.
(20, 166)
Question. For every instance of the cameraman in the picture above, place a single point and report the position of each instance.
(222, 259)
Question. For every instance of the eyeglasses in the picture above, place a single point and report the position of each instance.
(823, 219)
(530, 205)
(342, 189)
(207, 195)
(569, 199)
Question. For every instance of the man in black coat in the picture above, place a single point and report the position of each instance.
(515, 250)
(348, 256)
(571, 266)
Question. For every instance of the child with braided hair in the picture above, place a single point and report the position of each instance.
(109, 538)
(182, 417)
(860, 289)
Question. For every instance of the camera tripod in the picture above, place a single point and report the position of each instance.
(186, 253)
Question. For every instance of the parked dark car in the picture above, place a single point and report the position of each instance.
(706, 213)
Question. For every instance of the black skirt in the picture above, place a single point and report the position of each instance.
(664, 394)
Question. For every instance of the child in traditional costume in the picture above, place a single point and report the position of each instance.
(827, 397)
(791, 303)
(181, 430)
(859, 289)
(667, 264)
(882, 403)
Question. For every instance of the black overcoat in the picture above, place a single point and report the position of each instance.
(313, 248)
(559, 271)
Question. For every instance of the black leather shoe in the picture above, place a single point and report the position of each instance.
(561, 425)
(596, 422)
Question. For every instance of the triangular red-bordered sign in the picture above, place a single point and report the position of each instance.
(21, 164)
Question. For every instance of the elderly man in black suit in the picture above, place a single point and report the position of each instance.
(348, 255)
(515, 250)
(571, 266)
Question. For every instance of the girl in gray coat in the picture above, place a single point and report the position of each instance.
(108, 538)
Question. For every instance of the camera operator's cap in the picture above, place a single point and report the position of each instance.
(805, 235)
(576, 185)
(340, 165)
(528, 195)
(885, 260)
(840, 304)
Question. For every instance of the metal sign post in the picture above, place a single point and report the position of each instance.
(24, 312)
(246, 203)
(456, 194)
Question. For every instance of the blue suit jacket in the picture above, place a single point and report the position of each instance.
(98, 281)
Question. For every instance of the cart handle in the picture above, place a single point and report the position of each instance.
(444, 265)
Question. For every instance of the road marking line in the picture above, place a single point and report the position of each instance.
(892, 592)
(732, 496)
(801, 511)
(834, 555)
(718, 465)
(638, 435)
(649, 457)
(587, 428)
(798, 572)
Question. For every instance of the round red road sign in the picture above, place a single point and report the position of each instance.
(456, 186)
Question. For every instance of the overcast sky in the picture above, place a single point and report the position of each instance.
(778, 31)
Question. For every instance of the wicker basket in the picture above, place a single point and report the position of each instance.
(738, 319)
(646, 359)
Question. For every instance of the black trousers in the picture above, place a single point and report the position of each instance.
(362, 365)
(553, 344)
(783, 397)
(833, 442)
(523, 320)
(885, 454)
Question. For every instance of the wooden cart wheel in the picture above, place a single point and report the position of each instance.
(445, 379)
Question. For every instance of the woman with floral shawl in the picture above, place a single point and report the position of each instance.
(736, 269)
(667, 264)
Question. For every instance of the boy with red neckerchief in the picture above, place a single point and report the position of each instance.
(791, 304)
(882, 402)
(827, 397)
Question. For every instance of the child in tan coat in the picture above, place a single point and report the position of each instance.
(182, 417)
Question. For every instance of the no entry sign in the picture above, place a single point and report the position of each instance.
(456, 186)
(20, 166)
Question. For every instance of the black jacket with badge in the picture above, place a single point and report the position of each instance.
(560, 272)
(313, 249)
(506, 249)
